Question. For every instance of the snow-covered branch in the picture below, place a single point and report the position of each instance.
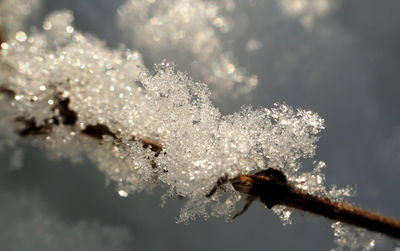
(154, 126)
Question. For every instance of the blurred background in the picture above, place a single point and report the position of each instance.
(338, 58)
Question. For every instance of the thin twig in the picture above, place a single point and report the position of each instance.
(270, 185)
(344, 212)
(272, 188)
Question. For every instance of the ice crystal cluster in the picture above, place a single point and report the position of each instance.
(345, 236)
(152, 126)
(112, 89)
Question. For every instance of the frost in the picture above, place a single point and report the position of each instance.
(70, 84)
(352, 238)
(313, 183)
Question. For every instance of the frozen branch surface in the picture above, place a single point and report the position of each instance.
(114, 90)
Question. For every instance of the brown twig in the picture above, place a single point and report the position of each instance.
(272, 188)
(344, 212)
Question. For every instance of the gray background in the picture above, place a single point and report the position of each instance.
(346, 68)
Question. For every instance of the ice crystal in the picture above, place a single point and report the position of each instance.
(352, 238)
